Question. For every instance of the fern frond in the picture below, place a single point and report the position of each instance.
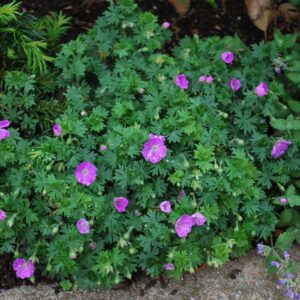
(54, 26)
(36, 58)
(9, 12)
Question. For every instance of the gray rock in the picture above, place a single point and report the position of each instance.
(241, 279)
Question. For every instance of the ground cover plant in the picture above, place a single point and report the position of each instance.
(150, 161)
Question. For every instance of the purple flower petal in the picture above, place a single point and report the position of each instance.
(202, 78)
(286, 255)
(169, 267)
(155, 149)
(4, 123)
(280, 148)
(166, 25)
(57, 129)
(83, 226)
(86, 173)
(209, 79)
(198, 219)
(260, 248)
(103, 148)
(181, 81)
(121, 204)
(183, 225)
(165, 207)
(23, 268)
(262, 89)
(227, 57)
(93, 245)
(235, 84)
(2, 215)
(283, 200)
(4, 134)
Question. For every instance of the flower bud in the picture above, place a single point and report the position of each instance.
(72, 254)
(117, 279)
(128, 274)
(55, 229)
(122, 243)
(49, 267)
(132, 250)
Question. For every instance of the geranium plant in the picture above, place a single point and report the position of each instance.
(144, 166)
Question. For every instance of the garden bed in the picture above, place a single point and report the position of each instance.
(117, 126)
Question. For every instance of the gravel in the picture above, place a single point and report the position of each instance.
(244, 278)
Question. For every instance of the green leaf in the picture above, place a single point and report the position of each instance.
(286, 239)
(293, 76)
(290, 190)
(286, 218)
(294, 200)
(66, 285)
(279, 124)
(285, 41)
(294, 106)
(271, 269)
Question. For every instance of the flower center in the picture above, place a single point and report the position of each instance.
(154, 148)
(85, 172)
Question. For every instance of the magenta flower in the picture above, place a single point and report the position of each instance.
(169, 267)
(86, 173)
(83, 226)
(4, 133)
(198, 219)
(182, 81)
(235, 84)
(183, 225)
(155, 149)
(165, 207)
(283, 200)
(209, 79)
(202, 78)
(2, 215)
(121, 204)
(227, 57)
(262, 89)
(280, 148)
(93, 245)
(166, 25)
(57, 129)
(103, 148)
(23, 268)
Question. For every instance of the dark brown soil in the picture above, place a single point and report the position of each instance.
(229, 18)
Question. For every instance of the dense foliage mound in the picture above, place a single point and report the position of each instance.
(159, 162)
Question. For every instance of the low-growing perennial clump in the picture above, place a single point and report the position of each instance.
(83, 196)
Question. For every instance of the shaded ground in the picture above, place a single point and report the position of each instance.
(229, 18)
(243, 279)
